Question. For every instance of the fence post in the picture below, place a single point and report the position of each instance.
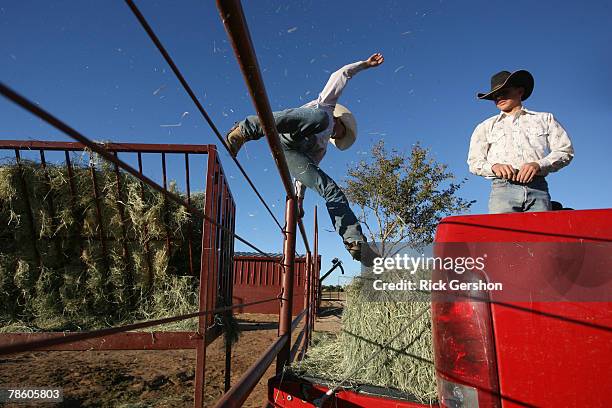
(284, 326)
(207, 272)
(316, 285)
(307, 295)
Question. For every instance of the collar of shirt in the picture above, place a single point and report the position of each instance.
(502, 115)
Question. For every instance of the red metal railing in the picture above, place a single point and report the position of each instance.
(235, 23)
(215, 264)
(217, 237)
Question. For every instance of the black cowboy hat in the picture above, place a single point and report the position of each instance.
(505, 79)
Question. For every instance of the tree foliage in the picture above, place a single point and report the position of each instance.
(403, 196)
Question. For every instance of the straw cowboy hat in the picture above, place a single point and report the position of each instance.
(505, 79)
(349, 122)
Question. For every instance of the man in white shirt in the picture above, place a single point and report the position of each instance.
(517, 148)
(304, 134)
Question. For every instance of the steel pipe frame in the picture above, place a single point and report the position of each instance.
(236, 26)
(237, 29)
(217, 192)
(149, 30)
(215, 259)
(111, 147)
(236, 396)
(100, 150)
(41, 342)
(252, 73)
(286, 306)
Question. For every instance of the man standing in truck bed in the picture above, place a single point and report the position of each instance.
(304, 135)
(517, 148)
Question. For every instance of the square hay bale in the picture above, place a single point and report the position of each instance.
(363, 353)
(57, 274)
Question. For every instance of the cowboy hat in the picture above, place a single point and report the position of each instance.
(350, 124)
(505, 79)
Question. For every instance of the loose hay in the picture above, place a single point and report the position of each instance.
(367, 326)
(54, 274)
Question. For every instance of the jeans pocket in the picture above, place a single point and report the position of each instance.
(498, 182)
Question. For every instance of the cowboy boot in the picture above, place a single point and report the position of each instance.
(354, 249)
(362, 252)
(235, 139)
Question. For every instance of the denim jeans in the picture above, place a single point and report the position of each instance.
(508, 196)
(297, 129)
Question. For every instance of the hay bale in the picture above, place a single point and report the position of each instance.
(405, 364)
(55, 273)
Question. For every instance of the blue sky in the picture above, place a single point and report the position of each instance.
(91, 64)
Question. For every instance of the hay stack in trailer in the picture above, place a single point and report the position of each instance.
(368, 326)
(64, 267)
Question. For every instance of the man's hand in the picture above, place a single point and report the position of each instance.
(375, 60)
(505, 171)
(528, 172)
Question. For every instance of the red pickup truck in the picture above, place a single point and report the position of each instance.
(538, 351)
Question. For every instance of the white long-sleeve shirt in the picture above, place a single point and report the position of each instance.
(518, 139)
(327, 100)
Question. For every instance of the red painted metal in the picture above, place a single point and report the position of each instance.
(258, 276)
(297, 392)
(299, 342)
(165, 186)
(243, 46)
(315, 285)
(100, 225)
(149, 274)
(40, 342)
(49, 200)
(238, 31)
(216, 267)
(29, 213)
(189, 230)
(110, 147)
(195, 100)
(207, 273)
(102, 151)
(284, 321)
(227, 284)
(238, 394)
(547, 353)
(124, 235)
(307, 303)
(118, 341)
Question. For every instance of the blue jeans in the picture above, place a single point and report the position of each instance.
(297, 129)
(508, 196)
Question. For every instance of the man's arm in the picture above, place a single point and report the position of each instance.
(561, 153)
(338, 80)
(561, 149)
(477, 155)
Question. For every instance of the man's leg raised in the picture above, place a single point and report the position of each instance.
(308, 173)
(298, 122)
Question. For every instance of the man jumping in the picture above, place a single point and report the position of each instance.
(304, 135)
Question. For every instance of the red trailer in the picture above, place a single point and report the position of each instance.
(259, 277)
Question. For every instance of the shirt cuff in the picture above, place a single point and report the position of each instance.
(545, 166)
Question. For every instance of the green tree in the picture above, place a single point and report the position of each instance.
(403, 196)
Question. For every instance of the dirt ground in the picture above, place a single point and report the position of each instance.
(137, 379)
